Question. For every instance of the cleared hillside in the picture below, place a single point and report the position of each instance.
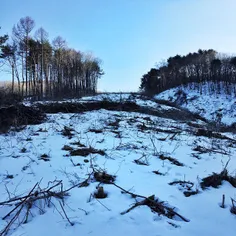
(117, 164)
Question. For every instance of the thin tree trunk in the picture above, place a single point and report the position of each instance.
(13, 78)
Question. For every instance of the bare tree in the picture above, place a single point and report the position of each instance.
(21, 33)
(42, 36)
(59, 46)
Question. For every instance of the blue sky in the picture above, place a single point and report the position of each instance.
(130, 36)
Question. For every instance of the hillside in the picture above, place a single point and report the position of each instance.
(117, 164)
(213, 106)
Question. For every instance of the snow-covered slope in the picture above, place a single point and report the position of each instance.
(216, 107)
(148, 155)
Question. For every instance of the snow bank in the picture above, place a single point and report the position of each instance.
(217, 107)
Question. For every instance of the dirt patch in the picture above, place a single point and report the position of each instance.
(19, 115)
(86, 151)
(190, 193)
(104, 177)
(7, 98)
(68, 107)
(129, 106)
(171, 159)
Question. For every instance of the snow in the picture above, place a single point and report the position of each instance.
(209, 105)
(122, 144)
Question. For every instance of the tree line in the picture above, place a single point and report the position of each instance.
(193, 69)
(44, 69)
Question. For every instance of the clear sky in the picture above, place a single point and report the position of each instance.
(130, 36)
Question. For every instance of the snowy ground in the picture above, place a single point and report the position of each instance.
(211, 106)
(133, 144)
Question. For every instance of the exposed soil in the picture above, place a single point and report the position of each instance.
(19, 115)
(129, 106)
(86, 151)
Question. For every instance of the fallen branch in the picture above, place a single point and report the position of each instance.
(30, 200)
(201, 149)
(23, 200)
(66, 214)
(154, 204)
